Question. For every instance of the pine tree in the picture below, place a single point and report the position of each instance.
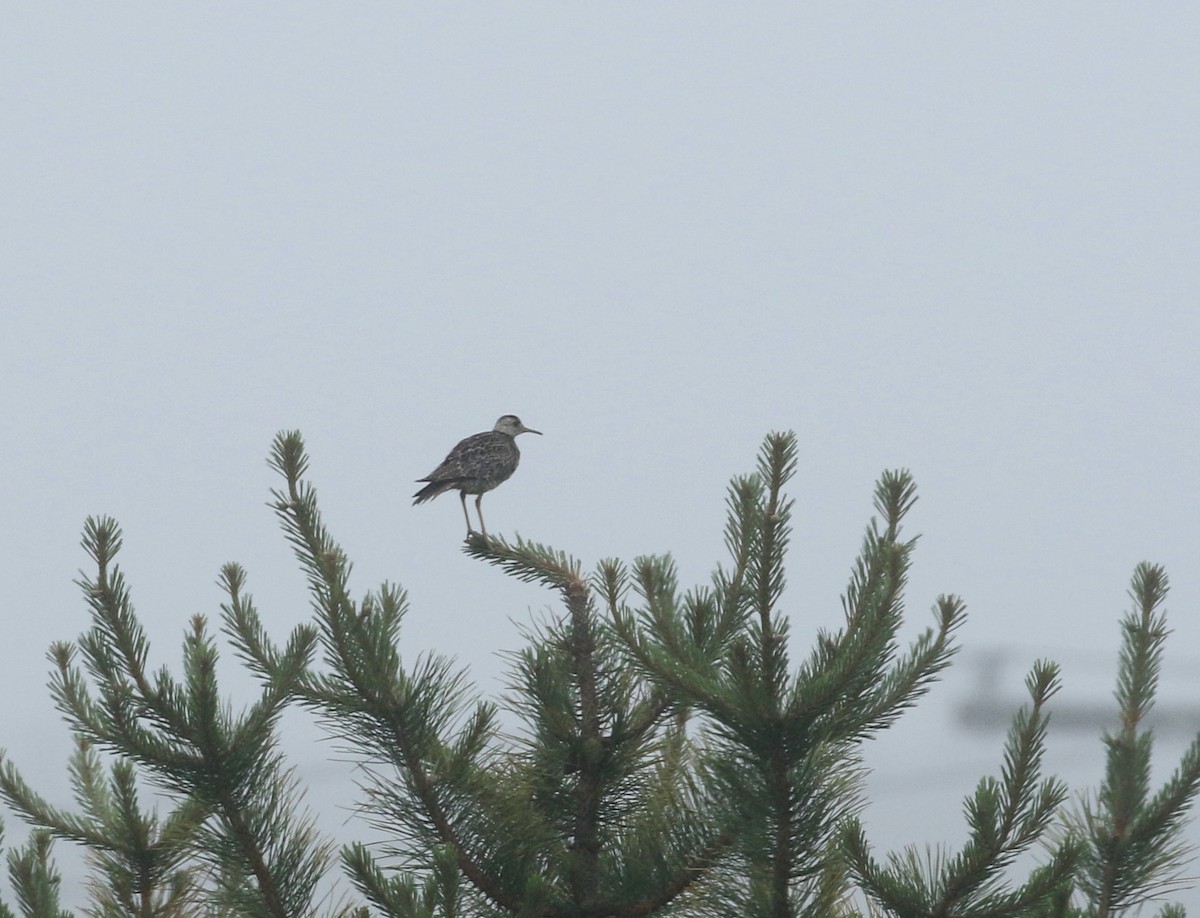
(782, 745)
(1006, 817)
(236, 817)
(139, 863)
(1132, 846)
(659, 752)
(593, 809)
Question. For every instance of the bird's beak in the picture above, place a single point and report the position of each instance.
(525, 429)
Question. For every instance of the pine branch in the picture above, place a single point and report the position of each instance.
(370, 700)
(776, 466)
(592, 730)
(851, 664)
(141, 865)
(35, 880)
(687, 665)
(900, 688)
(743, 523)
(188, 742)
(528, 561)
(5, 911)
(1005, 816)
(1135, 849)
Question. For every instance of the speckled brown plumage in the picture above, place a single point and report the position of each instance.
(476, 465)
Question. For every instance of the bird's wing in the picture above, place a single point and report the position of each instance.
(460, 461)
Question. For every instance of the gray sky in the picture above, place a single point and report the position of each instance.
(937, 236)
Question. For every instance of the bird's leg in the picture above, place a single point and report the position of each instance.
(479, 510)
(463, 495)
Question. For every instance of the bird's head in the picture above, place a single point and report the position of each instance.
(511, 424)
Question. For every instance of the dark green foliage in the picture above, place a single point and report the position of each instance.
(237, 818)
(1131, 837)
(1006, 816)
(589, 811)
(140, 865)
(34, 879)
(781, 745)
(36, 883)
(659, 752)
(1116, 851)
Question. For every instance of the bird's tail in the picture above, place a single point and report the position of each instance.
(430, 491)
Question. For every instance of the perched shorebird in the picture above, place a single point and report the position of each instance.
(478, 464)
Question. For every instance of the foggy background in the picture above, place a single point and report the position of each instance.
(956, 238)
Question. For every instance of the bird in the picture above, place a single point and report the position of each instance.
(476, 465)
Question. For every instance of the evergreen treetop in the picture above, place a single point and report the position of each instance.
(659, 752)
